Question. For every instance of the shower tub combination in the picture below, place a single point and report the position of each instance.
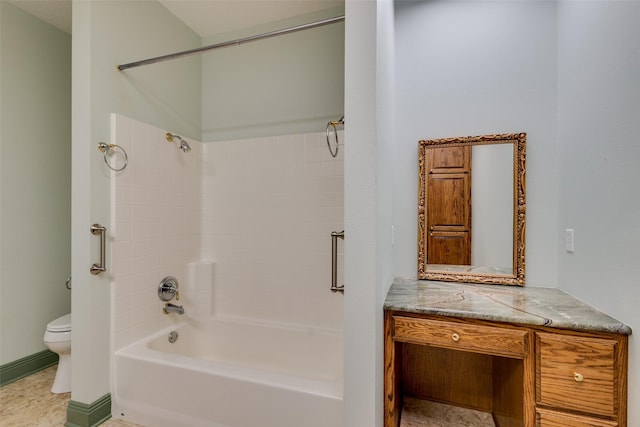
(230, 373)
(222, 371)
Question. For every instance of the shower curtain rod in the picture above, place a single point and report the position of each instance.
(236, 42)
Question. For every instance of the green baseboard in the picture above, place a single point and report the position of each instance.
(94, 414)
(26, 366)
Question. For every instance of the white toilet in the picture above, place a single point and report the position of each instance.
(58, 338)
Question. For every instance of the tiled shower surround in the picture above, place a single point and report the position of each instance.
(243, 225)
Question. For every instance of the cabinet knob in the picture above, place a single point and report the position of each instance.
(578, 377)
(455, 337)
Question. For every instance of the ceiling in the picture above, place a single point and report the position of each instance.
(209, 17)
(55, 12)
(205, 17)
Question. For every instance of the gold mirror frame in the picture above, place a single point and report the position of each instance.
(519, 207)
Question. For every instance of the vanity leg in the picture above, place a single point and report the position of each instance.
(529, 382)
(392, 368)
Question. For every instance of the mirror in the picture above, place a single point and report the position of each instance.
(471, 209)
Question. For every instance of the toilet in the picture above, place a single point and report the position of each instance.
(58, 338)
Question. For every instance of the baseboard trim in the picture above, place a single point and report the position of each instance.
(26, 366)
(91, 415)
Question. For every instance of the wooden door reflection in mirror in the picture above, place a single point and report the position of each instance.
(471, 209)
(448, 205)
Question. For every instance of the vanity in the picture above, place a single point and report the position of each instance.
(463, 349)
(526, 356)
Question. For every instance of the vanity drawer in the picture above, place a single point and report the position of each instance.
(577, 373)
(461, 336)
(547, 418)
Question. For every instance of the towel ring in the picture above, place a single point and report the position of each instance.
(109, 149)
(333, 124)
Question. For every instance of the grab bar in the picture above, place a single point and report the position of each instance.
(335, 235)
(97, 229)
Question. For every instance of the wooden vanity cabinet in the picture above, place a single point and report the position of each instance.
(526, 376)
(583, 373)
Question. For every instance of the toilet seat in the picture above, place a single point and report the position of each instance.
(61, 324)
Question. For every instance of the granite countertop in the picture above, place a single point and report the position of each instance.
(526, 305)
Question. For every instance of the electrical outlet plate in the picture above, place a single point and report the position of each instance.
(568, 240)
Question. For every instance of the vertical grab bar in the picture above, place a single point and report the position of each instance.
(97, 229)
(335, 235)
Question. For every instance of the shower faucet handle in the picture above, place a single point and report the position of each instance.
(168, 289)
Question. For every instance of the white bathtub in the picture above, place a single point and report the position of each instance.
(228, 373)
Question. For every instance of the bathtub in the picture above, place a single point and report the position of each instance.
(230, 373)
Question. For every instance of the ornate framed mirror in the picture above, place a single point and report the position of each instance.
(471, 209)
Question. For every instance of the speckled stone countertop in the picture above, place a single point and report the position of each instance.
(519, 305)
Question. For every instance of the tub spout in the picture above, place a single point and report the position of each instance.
(171, 308)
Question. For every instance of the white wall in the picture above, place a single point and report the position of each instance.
(269, 207)
(35, 180)
(289, 84)
(155, 228)
(369, 96)
(599, 154)
(165, 95)
(472, 68)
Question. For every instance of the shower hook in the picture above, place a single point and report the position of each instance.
(108, 150)
(333, 124)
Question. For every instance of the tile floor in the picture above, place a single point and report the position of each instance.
(29, 403)
(423, 413)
